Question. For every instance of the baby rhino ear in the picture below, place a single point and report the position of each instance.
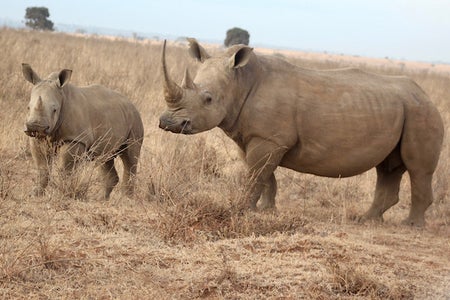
(29, 74)
(64, 77)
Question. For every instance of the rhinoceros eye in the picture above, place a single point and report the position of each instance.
(207, 98)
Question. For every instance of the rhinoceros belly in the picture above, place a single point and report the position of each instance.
(346, 140)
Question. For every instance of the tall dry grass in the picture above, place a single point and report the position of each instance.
(183, 234)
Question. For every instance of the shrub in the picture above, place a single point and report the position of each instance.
(237, 36)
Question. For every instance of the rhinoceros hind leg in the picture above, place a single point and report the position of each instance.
(267, 200)
(111, 177)
(421, 198)
(421, 147)
(387, 188)
(130, 161)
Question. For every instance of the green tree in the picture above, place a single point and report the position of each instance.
(236, 36)
(37, 18)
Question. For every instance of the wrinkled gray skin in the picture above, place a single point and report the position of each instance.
(333, 123)
(91, 121)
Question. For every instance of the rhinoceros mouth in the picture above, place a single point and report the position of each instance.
(183, 127)
(36, 134)
(178, 129)
(37, 130)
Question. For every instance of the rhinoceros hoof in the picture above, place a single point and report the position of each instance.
(419, 222)
(267, 208)
(366, 218)
(127, 191)
(37, 192)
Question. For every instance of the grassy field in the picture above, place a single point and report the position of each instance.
(181, 236)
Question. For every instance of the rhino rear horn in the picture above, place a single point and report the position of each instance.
(187, 82)
(172, 92)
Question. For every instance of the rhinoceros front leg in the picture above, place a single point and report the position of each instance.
(71, 156)
(40, 152)
(263, 157)
(267, 200)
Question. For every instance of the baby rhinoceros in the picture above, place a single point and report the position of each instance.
(91, 121)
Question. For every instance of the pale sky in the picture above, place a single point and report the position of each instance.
(402, 29)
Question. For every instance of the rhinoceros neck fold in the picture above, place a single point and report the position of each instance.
(229, 125)
(54, 134)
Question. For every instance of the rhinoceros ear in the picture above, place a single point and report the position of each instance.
(29, 74)
(197, 51)
(241, 57)
(64, 77)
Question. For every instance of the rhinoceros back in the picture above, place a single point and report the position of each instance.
(99, 117)
(349, 125)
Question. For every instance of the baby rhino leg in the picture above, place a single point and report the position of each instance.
(71, 156)
(111, 177)
(41, 155)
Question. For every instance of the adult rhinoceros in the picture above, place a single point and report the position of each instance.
(92, 120)
(333, 123)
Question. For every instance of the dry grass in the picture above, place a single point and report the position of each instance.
(183, 235)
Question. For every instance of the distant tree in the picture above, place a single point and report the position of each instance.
(236, 36)
(37, 18)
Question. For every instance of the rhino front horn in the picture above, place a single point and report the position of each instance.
(172, 92)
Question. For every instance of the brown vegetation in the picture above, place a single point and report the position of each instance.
(183, 235)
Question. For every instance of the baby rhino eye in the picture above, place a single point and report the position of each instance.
(207, 98)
